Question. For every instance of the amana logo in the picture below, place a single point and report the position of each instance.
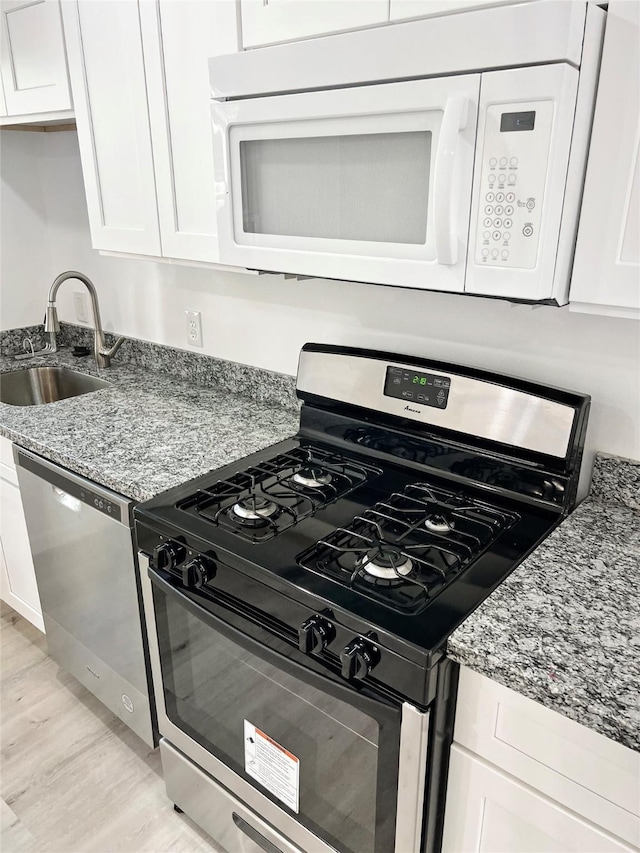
(415, 411)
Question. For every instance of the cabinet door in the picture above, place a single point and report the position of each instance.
(3, 102)
(33, 60)
(178, 40)
(272, 21)
(402, 9)
(606, 270)
(104, 45)
(17, 576)
(486, 810)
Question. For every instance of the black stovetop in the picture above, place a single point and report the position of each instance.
(440, 546)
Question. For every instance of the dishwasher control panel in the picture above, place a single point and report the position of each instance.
(101, 503)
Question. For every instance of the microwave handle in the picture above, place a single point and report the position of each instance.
(453, 121)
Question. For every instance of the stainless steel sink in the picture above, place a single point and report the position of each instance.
(37, 385)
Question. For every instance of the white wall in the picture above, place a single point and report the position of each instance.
(25, 256)
(265, 320)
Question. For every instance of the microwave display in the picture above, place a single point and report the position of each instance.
(426, 389)
(517, 121)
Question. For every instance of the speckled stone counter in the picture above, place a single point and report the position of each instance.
(564, 628)
(150, 430)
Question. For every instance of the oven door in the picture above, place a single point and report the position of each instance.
(316, 758)
(365, 184)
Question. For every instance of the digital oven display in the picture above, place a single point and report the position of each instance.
(424, 389)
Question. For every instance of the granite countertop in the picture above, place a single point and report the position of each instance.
(564, 628)
(150, 430)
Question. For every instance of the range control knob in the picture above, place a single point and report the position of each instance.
(315, 634)
(198, 571)
(358, 658)
(169, 555)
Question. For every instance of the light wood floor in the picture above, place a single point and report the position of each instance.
(74, 779)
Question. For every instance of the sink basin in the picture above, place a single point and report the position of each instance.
(37, 385)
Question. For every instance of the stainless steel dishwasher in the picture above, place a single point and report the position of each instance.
(81, 540)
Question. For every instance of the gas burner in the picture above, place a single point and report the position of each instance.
(404, 550)
(253, 510)
(276, 492)
(438, 523)
(385, 563)
(311, 478)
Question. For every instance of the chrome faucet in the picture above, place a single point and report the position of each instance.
(102, 353)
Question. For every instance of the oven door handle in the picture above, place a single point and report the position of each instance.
(308, 669)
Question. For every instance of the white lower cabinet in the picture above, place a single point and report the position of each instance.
(488, 810)
(526, 779)
(17, 576)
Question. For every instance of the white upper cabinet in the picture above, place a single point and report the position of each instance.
(32, 58)
(178, 39)
(3, 103)
(273, 21)
(606, 272)
(104, 45)
(402, 9)
(140, 78)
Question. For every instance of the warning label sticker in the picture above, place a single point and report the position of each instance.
(272, 765)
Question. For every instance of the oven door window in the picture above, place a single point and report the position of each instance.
(347, 771)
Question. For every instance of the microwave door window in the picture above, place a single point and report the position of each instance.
(370, 187)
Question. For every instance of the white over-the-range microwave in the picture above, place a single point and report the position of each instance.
(445, 154)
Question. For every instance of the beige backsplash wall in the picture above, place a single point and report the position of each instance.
(264, 320)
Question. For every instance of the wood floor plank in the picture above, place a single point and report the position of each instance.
(14, 836)
(74, 778)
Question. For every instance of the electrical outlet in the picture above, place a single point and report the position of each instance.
(80, 302)
(194, 328)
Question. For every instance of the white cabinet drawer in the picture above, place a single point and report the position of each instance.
(585, 771)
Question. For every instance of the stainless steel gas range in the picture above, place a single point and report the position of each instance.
(299, 600)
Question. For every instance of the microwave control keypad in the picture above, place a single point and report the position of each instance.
(514, 172)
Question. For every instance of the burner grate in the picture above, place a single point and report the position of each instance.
(391, 552)
(273, 495)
